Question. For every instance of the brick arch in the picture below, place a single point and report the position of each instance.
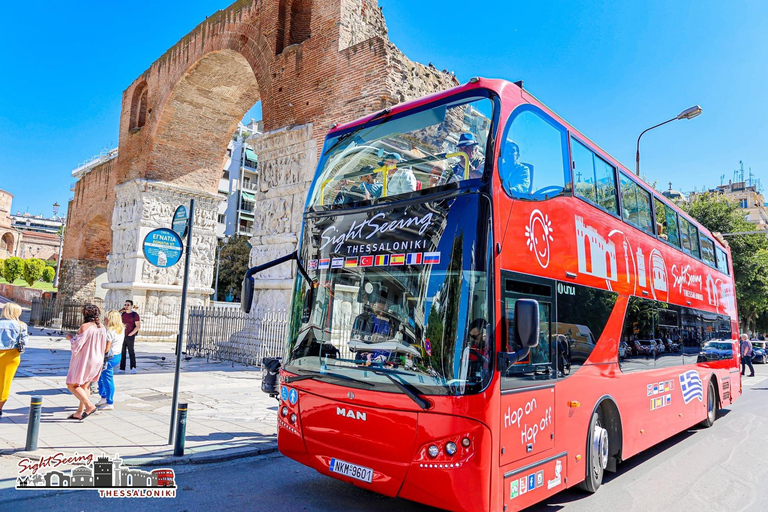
(7, 242)
(202, 112)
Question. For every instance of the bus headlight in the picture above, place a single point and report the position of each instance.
(284, 411)
(465, 442)
(293, 418)
(450, 448)
(433, 451)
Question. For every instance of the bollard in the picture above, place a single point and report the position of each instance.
(181, 430)
(33, 426)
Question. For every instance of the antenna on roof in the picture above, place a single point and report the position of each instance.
(519, 83)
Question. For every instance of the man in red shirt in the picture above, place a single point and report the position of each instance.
(132, 323)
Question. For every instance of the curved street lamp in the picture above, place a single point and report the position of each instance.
(688, 113)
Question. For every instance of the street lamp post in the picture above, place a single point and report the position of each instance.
(688, 113)
(56, 207)
(218, 262)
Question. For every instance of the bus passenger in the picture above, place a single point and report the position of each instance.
(366, 190)
(468, 145)
(399, 181)
(436, 174)
(515, 176)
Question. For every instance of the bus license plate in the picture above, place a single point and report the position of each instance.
(351, 470)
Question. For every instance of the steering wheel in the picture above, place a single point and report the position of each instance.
(550, 190)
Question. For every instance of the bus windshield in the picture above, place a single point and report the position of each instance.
(397, 291)
(429, 148)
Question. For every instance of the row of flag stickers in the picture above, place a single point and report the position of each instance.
(379, 260)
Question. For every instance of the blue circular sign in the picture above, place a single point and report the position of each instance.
(180, 221)
(293, 396)
(284, 393)
(163, 247)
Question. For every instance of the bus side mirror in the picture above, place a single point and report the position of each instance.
(525, 332)
(246, 295)
(527, 322)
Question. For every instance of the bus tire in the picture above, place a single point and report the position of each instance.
(597, 453)
(712, 401)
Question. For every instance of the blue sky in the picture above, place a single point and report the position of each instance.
(610, 68)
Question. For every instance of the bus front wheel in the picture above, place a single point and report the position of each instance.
(711, 405)
(597, 453)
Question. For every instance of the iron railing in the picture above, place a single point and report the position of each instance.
(228, 334)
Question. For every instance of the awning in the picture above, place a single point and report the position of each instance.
(247, 196)
(250, 155)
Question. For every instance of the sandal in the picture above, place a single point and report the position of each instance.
(86, 414)
(73, 417)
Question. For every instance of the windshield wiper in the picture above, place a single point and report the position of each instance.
(409, 389)
(297, 378)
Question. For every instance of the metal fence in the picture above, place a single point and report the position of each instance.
(217, 332)
(228, 334)
(157, 324)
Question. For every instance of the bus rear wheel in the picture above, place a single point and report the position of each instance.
(597, 453)
(711, 405)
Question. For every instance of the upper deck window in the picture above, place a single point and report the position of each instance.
(533, 163)
(690, 237)
(666, 223)
(708, 251)
(722, 260)
(636, 203)
(405, 153)
(595, 179)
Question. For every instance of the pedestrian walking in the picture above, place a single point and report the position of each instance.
(115, 338)
(13, 339)
(88, 348)
(132, 324)
(746, 355)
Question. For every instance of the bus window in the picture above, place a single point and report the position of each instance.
(690, 238)
(637, 347)
(582, 314)
(595, 179)
(532, 163)
(722, 260)
(636, 203)
(538, 365)
(708, 251)
(666, 223)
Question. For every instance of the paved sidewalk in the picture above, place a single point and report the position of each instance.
(228, 414)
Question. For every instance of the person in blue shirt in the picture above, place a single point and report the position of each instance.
(515, 176)
(13, 338)
(468, 144)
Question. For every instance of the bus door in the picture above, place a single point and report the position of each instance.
(527, 387)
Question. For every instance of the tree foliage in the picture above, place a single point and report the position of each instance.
(48, 274)
(12, 269)
(33, 270)
(232, 267)
(749, 254)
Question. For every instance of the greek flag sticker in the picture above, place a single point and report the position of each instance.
(691, 387)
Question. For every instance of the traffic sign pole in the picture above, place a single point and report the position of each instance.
(180, 337)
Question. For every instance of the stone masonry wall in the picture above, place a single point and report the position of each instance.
(78, 279)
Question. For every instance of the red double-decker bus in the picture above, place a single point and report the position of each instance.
(490, 309)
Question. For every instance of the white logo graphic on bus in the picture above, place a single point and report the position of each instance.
(659, 287)
(539, 233)
(597, 256)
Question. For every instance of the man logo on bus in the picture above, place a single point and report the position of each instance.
(539, 233)
(355, 415)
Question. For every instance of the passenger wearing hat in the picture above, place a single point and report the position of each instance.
(366, 190)
(399, 181)
(467, 144)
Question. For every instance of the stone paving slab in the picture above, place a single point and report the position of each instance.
(228, 415)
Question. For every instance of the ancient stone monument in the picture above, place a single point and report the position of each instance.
(311, 63)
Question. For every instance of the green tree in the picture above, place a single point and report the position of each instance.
(33, 270)
(48, 274)
(12, 269)
(749, 253)
(234, 262)
(2, 266)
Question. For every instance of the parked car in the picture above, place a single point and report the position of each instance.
(646, 347)
(759, 354)
(715, 351)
